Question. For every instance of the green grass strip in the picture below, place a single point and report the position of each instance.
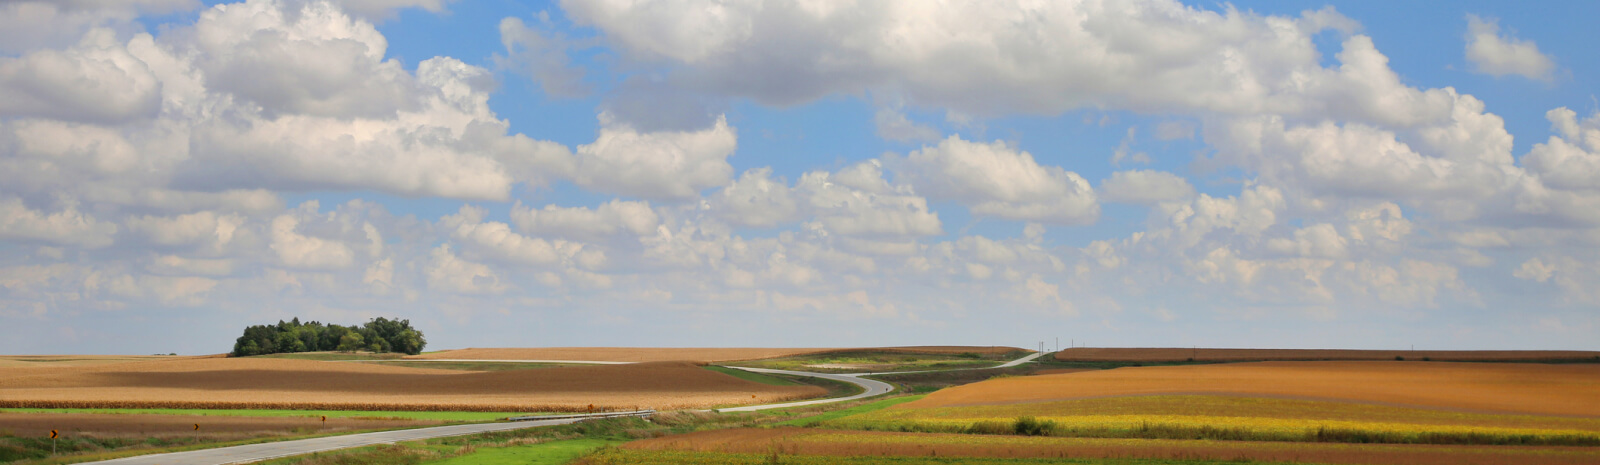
(443, 416)
(548, 453)
(753, 376)
(857, 410)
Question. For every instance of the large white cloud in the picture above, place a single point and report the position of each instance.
(31, 25)
(1497, 55)
(1145, 187)
(310, 59)
(670, 165)
(608, 219)
(1044, 58)
(68, 226)
(95, 80)
(995, 179)
(1571, 158)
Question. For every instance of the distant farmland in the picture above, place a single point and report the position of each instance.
(703, 355)
(1096, 354)
(305, 384)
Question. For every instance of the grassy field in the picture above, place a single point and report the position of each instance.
(857, 361)
(809, 445)
(409, 415)
(846, 412)
(753, 376)
(269, 383)
(545, 453)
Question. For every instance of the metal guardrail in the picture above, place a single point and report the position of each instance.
(635, 413)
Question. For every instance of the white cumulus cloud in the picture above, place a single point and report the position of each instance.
(1500, 55)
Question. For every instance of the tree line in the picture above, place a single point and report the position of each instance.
(379, 335)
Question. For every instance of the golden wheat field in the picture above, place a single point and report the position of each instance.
(1100, 354)
(1488, 387)
(305, 384)
(812, 441)
(702, 355)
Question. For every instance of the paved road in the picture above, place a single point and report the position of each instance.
(270, 450)
(872, 387)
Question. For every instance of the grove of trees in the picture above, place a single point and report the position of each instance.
(379, 335)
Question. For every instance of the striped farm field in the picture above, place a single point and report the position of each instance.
(1249, 417)
(810, 445)
(265, 383)
(1174, 354)
(702, 355)
(1518, 388)
(616, 354)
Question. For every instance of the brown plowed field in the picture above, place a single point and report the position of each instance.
(810, 441)
(1492, 387)
(109, 425)
(617, 354)
(1093, 354)
(305, 384)
(37, 361)
(702, 355)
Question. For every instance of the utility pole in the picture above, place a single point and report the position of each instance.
(1058, 344)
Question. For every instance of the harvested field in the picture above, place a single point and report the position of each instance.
(802, 442)
(702, 355)
(617, 354)
(225, 427)
(1093, 354)
(42, 361)
(305, 384)
(1572, 390)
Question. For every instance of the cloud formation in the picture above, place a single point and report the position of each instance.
(1501, 55)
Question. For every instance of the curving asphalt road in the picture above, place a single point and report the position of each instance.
(872, 387)
(258, 452)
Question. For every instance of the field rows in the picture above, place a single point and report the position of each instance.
(1103, 354)
(805, 445)
(1488, 387)
(262, 383)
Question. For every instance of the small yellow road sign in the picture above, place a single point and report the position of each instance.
(197, 427)
(54, 434)
(324, 418)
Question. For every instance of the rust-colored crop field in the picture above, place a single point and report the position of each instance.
(219, 427)
(1097, 354)
(702, 355)
(1490, 387)
(810, 441)
(305, 384)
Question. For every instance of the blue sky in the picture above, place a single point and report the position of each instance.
(680, 173)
